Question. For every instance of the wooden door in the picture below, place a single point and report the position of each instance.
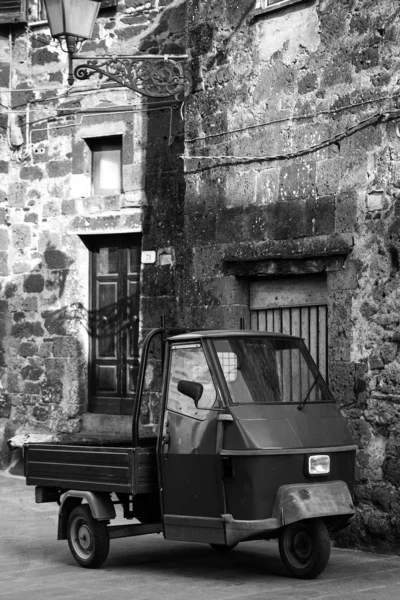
(114, 320)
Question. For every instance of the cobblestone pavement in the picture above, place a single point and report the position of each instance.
(35, 566)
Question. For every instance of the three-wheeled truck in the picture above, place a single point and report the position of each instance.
(235, 437)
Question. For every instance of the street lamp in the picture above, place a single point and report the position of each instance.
(71, 22)
(153, 75)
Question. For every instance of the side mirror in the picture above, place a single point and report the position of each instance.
(191, 388)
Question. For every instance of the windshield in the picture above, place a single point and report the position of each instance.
(267, 370)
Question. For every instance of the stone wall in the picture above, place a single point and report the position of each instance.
(292, 129)
(46, 205)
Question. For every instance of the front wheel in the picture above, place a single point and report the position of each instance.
(305, 548)
(88, 538)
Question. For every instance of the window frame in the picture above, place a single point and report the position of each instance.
(269, 7)
(94, 147)
(16, 14)
(197, 414)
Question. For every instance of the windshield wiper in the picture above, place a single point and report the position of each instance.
(308, 394)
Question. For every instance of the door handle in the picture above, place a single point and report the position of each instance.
(166, 438)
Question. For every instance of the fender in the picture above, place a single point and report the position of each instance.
(312, 500)
(100, 504)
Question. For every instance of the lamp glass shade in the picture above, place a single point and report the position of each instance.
(72, 17)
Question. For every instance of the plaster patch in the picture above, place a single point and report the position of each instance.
(289, 33)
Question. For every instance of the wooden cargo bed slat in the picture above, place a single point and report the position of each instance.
(76, 457)
(68, 470)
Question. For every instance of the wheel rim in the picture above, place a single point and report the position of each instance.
(81, 538)
(300, 547)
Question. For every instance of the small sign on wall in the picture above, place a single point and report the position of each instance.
(148, 257)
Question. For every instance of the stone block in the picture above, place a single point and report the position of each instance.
(31, 173)
(29, 304)
(320, 215)
(4, 239)
(347, 278)
(59, 168)
(27, 329)
(31, 218)
(31, 372)
(55, 322)
(56, 259)
(68, 207)
(17, 194)
(51, 209)
(10, 289)
(56, 368)
(68, 347)
(52, 391)
(346, 211)
(80, 157)
(267, 186)
(13, 382)
(328, 176)
(341, 381)
(3, 263)
(28, 349)
(340, 326)
(21, 236)
(41, 413)
(32, 388)
(33, 283)
(240, 188)
(297, 181)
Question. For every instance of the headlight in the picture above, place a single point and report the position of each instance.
(319, 464)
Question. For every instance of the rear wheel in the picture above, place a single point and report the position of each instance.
(305, 548)
(87, 538)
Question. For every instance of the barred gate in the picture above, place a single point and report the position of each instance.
(306, 318)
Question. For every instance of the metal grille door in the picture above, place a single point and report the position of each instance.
(307, 322)
(297, 306)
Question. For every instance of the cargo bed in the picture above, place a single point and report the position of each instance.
(116, 468)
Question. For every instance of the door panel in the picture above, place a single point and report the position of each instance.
(189, 467)
(114, 316)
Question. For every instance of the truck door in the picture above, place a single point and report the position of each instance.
(191, 482)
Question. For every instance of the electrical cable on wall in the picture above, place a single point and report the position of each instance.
(235, 160)
(292, 118)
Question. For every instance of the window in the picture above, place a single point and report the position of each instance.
(106, 165)
(267, 370)
(263, 6)
(188, 363)
(13, 11)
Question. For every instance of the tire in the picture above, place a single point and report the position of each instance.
(305, 548)
(87, 538)
(222, 547)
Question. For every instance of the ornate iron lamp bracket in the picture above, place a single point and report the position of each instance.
(150, 75)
